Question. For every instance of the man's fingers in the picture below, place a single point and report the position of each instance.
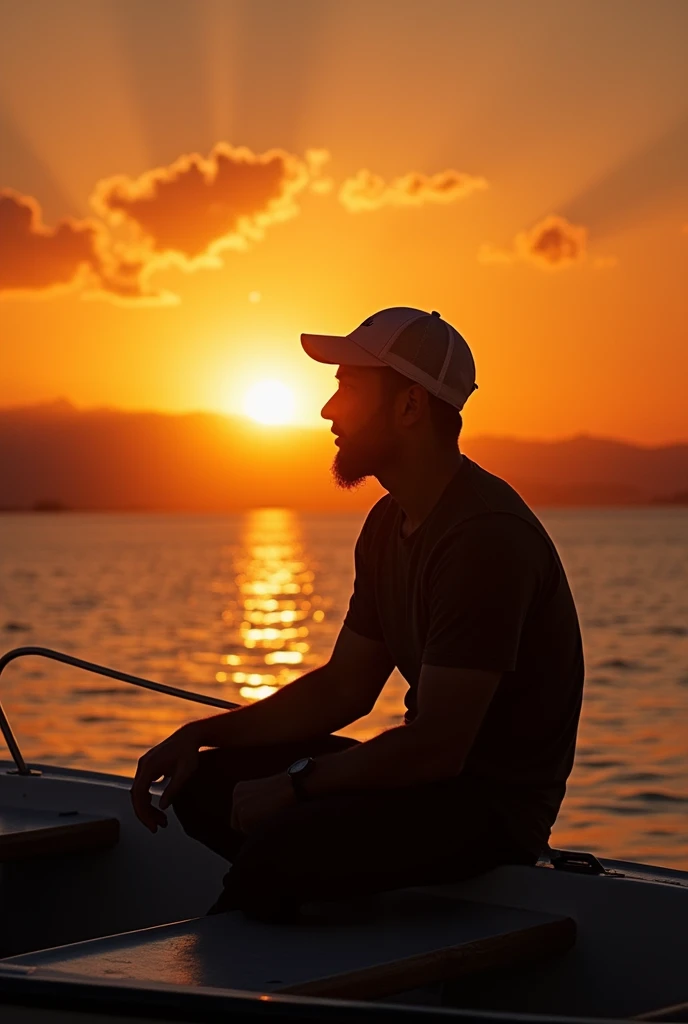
(161, 762)
(152, 819)
(140, 798)
(172, 788)
(150, 816)
(158, 817)
(145, 812)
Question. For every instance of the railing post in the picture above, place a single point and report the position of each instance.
(89, 666)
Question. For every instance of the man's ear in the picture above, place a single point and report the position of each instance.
(413, 403)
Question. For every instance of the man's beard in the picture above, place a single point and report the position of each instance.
(364, 453)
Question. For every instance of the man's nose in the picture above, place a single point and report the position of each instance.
(326, 411)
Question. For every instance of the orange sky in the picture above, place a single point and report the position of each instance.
(478, 120)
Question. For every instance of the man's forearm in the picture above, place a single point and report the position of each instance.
(399, 757)
(312, 705)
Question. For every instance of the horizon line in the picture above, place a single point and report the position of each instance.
(247, 421)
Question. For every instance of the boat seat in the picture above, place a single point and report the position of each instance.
(27, 833)
(383, 945)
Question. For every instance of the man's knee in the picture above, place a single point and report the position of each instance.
(289, 861)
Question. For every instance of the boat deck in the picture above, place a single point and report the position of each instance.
(387, 944)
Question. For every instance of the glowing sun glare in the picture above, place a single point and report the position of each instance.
(270, 401)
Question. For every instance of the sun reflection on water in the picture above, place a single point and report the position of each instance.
(276, 602)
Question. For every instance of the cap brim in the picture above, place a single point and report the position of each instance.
(328, 348)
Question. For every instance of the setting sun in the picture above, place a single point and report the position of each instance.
(271, 402)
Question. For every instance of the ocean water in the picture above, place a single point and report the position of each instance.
(235, 606)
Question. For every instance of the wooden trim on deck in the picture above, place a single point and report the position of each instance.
(528, 945)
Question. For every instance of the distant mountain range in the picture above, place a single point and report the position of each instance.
(55, 456)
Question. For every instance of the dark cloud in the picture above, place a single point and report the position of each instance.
(552, 244)
(34, 258)
(368, 191)
(196, 207)
(36, 261)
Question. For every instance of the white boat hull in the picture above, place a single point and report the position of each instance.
(629, 956)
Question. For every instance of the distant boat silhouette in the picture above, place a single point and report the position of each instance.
(49, 505)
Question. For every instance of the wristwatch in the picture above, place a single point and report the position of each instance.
(297, 772)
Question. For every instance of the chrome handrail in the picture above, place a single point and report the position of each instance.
(89, 666)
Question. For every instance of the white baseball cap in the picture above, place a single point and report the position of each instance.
(419, 345)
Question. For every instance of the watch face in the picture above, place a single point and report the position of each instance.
(298, 766)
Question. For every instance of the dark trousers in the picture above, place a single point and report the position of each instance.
(342, 845)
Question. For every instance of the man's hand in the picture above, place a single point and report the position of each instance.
(257, 799)
(175, 758)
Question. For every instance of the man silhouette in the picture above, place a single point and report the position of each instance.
(459, 586)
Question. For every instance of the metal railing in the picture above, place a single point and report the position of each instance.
(102, 670)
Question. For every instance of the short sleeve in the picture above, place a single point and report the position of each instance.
(483, 580)
(362, 616)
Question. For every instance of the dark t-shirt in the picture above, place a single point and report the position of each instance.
(479, 585)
